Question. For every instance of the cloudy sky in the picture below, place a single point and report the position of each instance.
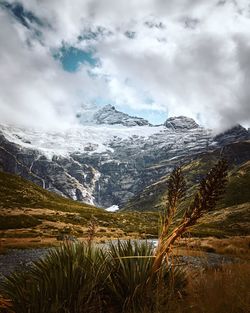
(150, 58)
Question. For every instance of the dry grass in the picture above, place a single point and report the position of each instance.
(51, 224)
(235, 246)
(219, 291)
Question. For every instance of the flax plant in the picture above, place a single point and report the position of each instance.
(209, 191)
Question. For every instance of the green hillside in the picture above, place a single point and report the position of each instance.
(238, 189)
(27, 211)
(230, 221)
(153, 197)
(232, 216)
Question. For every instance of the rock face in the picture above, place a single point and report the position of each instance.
(181, 123)
(105, 164)
(109, 115)
(234, 134)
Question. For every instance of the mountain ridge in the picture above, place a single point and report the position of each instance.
(109, 115)
(105, 164)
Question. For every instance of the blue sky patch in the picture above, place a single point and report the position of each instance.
(71, 58)
(153, 116)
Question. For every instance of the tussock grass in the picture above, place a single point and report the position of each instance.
(237, 246)
(68, 279)
(16, 222)
(225, 290)
(76, 278)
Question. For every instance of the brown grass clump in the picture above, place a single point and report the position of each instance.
(224, 290)
(237, 246)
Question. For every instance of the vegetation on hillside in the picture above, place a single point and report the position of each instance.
(154, 197)
(27, 210)
(237, 191)
(16, 191)
(232, 214)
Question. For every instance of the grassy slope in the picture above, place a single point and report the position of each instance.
(236, 199)
(18, 194)
(238, 189)
(153, 197)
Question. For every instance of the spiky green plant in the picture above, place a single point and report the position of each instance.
(77, 278)
(130, 263)
(130, 282)
(67, 280)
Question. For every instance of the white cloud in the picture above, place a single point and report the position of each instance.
(188, 57)
(34, 89)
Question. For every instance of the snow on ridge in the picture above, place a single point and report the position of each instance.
(112, 208)
(89, 139)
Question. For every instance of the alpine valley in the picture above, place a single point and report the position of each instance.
(109, 157)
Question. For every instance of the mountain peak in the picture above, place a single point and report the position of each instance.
(108, 107)
(109, 115)
(181, 123)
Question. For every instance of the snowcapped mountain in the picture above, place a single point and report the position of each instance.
(109, 157)
(109, 115)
